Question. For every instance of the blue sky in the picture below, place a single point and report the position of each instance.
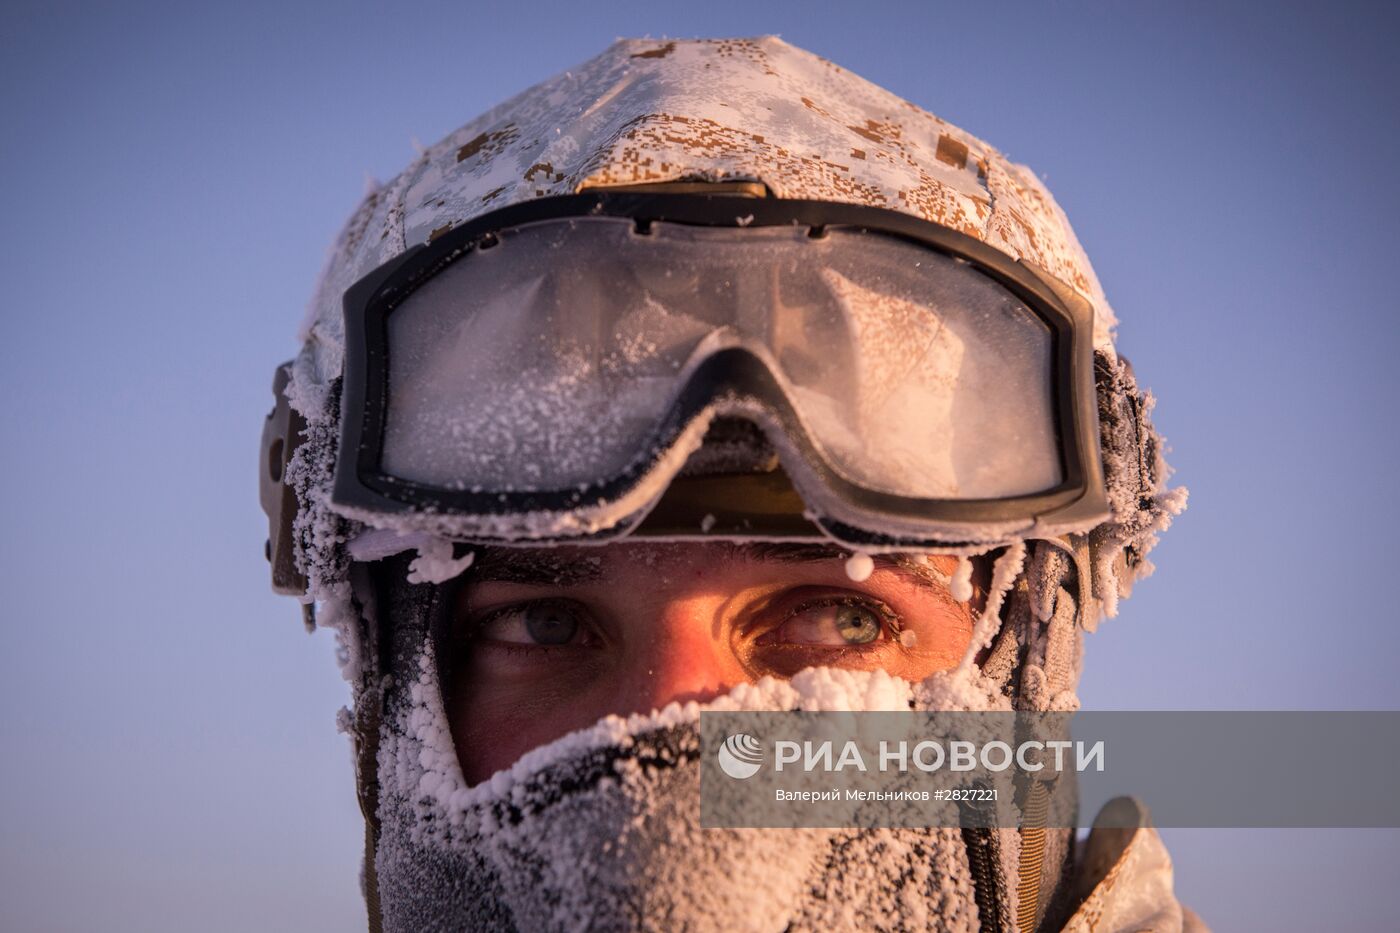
(173, 174)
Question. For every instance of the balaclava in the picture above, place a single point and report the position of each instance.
(600, 829)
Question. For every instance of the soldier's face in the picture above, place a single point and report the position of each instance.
(543, 642)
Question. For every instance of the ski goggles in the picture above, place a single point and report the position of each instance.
(543, 373)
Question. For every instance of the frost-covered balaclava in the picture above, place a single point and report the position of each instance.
(600, 829)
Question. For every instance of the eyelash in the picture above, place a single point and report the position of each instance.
(472, 631)
(891, 625)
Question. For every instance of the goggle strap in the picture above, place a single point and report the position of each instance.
(282, 433)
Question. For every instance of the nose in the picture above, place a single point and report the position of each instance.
(678, 657)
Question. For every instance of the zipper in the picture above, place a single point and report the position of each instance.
(984, 862)
(1029, 866)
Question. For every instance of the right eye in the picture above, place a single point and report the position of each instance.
(533, 623)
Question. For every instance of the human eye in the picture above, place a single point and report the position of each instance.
(834, 622)
(547, 623)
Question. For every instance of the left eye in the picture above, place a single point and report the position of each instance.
(837, 624)
(538, 623)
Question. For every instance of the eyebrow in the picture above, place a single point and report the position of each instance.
(544, 567)
(534, 567)
(770, 552)
(910, 567)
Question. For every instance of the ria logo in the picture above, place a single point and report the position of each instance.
(741, 756)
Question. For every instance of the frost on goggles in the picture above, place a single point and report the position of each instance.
(549, 360)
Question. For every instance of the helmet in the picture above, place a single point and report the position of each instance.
(737, 174)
